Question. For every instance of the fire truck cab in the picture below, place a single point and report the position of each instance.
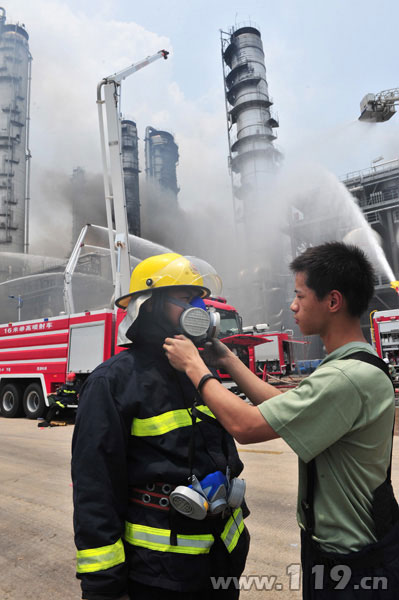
(230, 320)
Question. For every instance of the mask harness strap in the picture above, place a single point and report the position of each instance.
(196, 302)
(177, 302)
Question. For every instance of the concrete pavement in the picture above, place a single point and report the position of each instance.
(37, 553)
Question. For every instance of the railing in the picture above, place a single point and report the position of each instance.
(357, 176)
(379, 198)
(244, 24)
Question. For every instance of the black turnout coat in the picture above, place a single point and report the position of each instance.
(114, 455)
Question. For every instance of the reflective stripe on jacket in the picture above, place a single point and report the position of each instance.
(233, 529)
(98, 559)
(168, 421)
(159, 539)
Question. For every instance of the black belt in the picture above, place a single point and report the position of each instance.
(156, 495)
(152, 495)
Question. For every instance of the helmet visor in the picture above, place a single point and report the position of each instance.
(210, 278)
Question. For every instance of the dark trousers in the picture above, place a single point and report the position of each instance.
(140, 591)
(370, 574)
(55, 410)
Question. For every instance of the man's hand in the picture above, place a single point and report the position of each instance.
(216, 354)
(181, 353)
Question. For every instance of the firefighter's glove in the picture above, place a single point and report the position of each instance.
(215, 353)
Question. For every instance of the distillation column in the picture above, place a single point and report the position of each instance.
(250, 123)
(161, 158)
(253, 164)
(130, 164)
(15, 75)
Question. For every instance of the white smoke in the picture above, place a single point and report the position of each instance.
(72, 52)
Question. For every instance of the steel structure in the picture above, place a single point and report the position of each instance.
(250, 122)
(161, 158)
(376, 191)
(130, 164)
(15, 78)
(78, 181)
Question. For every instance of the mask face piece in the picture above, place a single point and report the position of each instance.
(195, 321)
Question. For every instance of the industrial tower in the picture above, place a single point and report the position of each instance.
(250, 122)
(253, 163)
(130, 164)
(161, 158)
(15, 78)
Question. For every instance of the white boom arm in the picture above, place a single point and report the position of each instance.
(115, 198)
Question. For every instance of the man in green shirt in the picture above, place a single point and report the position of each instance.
(338, 421)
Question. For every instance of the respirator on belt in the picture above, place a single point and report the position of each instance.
(213, 495)
(196, 322)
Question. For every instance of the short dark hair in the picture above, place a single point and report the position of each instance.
(338, 266)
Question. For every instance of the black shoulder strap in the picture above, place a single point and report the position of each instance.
(307, 504)
(371, 359)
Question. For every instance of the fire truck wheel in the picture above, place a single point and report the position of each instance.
(33, 401)
(10, 401)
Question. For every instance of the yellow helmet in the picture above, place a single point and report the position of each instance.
(172, 270)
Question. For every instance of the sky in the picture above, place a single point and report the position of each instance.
(321, 59)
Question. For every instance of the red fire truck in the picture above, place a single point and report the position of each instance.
(35, 356)
(263, 352)
(277, 357)
(232, 334)
(385, 335)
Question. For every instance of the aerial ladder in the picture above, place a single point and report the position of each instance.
(108, 100)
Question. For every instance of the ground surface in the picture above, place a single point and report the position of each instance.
(37, 553)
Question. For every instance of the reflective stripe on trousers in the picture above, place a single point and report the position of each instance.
(168, 421)
(159, 539)
(98, 559)
(233, 529)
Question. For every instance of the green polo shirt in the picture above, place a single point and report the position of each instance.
(342, 415)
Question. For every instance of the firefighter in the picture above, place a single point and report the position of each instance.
(66, 394)
(138, 443)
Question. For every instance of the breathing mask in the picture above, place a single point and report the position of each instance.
(213, 495)
(196, 322)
